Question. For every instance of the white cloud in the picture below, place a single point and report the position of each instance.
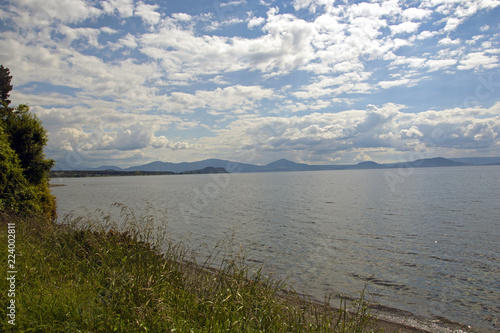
(147, 13)
(367, 10)
(375, 129)
(394, 83)
(46, 12)
(451, 24)
(478, 60)
(285, 46)
(411, 62)
(108, 30)
(405, 27)
(191, 72)
(313, 5)
(232, 3)
(412, 132)
(125, 8)
(239, 99)
(255, 22)
(449, 41)
(182, 17)
(426, 34)
(363, 156)
(353, 82)
(437, 64)
(72, 34)
(128, 41)
(136, 136)
(417, 14)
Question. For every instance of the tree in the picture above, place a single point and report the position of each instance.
(5, 86)
(23, 139)
(28, 138)
(15, 191)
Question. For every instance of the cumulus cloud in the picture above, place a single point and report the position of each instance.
(255, 22)
(393, 83)
(182, 17)
(416, 14)
(236, 98)
(437, 64)
(124, 8)
(128, 41)
(405, 27)
(147, 13)
(449, 41)
(135, 136)
(412, 132)
(451, 24)
(478, 60)
(224, 72)
(45, 12)
(374, 129)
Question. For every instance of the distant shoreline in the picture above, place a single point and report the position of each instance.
(117, 173)
(215, 170)
(223, 166)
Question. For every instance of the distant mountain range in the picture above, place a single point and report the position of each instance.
(286, 165)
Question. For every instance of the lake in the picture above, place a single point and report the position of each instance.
(424, 241)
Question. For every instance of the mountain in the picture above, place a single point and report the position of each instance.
(367, 165)
(155, 166)
(108, 167)
(205, 171)
(190, 166)
(428, 163)
(478, 160)
(62, 165)
(286, 165)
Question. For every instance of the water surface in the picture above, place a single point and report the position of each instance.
(424, 241)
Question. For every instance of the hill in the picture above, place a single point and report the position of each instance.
(287, 165)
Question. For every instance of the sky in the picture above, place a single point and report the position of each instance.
(125, 82)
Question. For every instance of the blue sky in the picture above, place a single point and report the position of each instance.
(124, 82)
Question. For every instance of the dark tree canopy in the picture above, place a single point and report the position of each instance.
(24, 168)
(28, 139)
(15, 191)
(5, 86)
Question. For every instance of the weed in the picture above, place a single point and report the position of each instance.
(97, 274)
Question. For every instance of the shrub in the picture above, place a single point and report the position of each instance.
(16, 192)
(24, 168)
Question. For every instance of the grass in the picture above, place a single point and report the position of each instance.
(99, 275)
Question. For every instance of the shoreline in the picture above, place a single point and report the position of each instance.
(71, 238)
(390, 321)
(385, 318)
(400, 324)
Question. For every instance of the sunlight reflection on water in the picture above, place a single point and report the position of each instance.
(429, 247)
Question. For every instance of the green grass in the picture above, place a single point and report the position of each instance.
(105, 276)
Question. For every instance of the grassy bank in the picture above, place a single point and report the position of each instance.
(105, 279)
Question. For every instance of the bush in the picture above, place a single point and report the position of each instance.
(24, 168)
(16, 192)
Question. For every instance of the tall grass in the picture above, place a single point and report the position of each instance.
(96, 274)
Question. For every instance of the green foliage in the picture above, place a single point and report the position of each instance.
(15, 191)
(96, 279)
(5, 86)
(28, 138)
(24, 169)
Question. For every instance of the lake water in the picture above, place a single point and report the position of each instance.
(425, 241)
